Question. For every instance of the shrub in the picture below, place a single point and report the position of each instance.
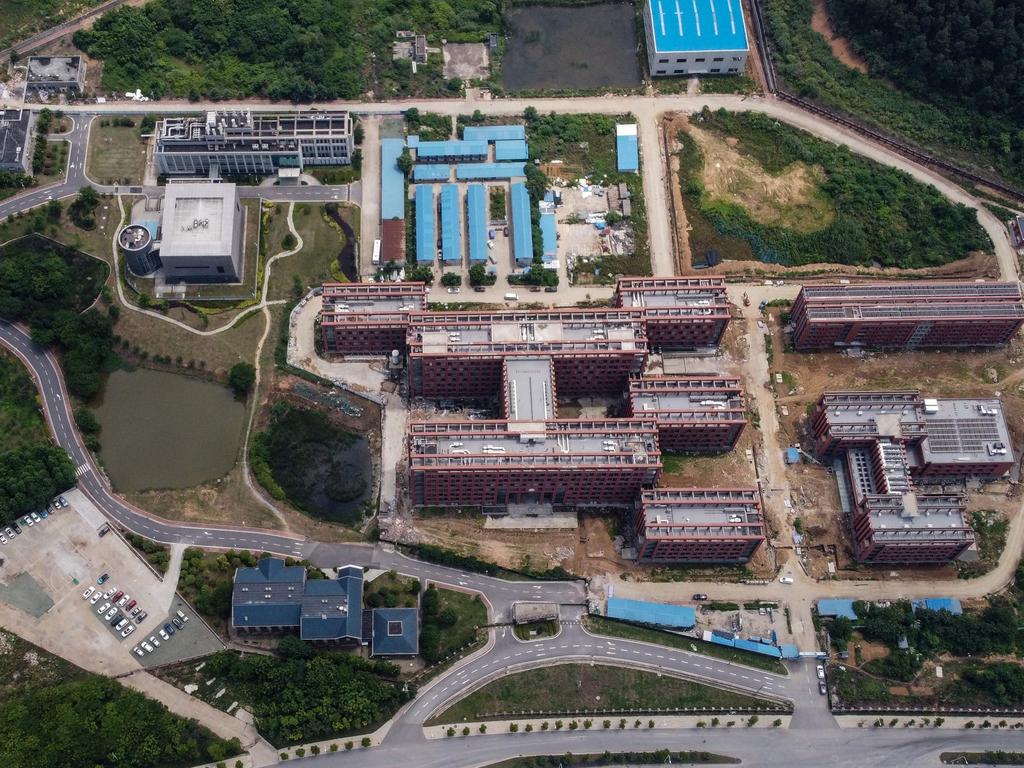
(465, 731)
(365, 742)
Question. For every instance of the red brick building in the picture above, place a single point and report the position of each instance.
(883, 446)
(694, 414)
(907, 315)
(680, 312)
(367, 318)
(561, 462)
(698, 525)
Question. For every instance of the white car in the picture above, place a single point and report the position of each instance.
(3, 539)
(110, 614)
(821, 672)
(164, 635)
(88, 593)
(95, 598)
(146, 646)
(102, 609)
(109, 593)
(785, 579)
(183, 617)
(120, 625)
(154, 641)
(128, 630)
(124, 600)
(137, 651)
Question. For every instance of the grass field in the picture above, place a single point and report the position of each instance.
(451, 621)
(116, 153)
(572, 687)
(389, 590)
(21, 423)
(23, 18)
(322, 241)
(602, 626)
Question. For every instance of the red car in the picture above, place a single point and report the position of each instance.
(130, 605)
(117, 596)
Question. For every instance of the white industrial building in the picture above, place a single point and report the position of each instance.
(695, 37)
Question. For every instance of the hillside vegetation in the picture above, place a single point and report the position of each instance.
(935, 79)
(301, 50)
(881, 215)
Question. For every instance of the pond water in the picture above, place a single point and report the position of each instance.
(592, 46)
(164, 430)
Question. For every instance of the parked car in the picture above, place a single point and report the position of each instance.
(88, 593)
(136, 610)
(183, 617)
(102, 609)
(168, 629)
(43, 513)
(110, 614)
(551, 289)
(109, 594)
(63, 501)
(131, 604)
(121, 624)
(822, 689)
(700, 597)
(127, 630)
(124, 600)
(154, 641)
(535, 289)
(10, 532)
(35, 516)
(785, 579)
(177, 622)
(3, 539)
(27, 521)
(95, 598)
(148, 648)
(140, 618)
(118, 595)
(479, 288)
(16, 527)
(103, 579)
(821, 672)
(164, 635)
(137, 652)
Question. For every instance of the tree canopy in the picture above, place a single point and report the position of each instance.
(30, 476)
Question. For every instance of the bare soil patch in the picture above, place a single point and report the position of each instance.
(841, 47)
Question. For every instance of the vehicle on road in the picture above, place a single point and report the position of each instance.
(785, 579)
(479, 289)
(88, 593)
(822, 689)
(103, 579)
(104, 530)
(535, 289)
(551, 289)
(821, 672)
(700, 597)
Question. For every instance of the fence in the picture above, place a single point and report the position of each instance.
(533, 714)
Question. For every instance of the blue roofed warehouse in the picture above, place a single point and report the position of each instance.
(659, 614)
(688, 37)
(476, 223)
(426, 239)
(522, 228)
(627, 152)
(451, 225)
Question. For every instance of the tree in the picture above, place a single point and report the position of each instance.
(358, 133)
(478, 275)
(420, 273)
(242, 378)
(405, 161)
(454, 85)
(840, 630)
(30, 476)
(451, 279)
(289, 242)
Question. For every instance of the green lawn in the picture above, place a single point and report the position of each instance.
(322, 242)
(536, 630)
(573, 687)
(389, 590)
(116, 153)
(600, 625)
(451, 622)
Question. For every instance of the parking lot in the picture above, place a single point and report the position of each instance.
(44, 572)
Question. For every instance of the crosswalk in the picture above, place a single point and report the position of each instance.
(81, 470)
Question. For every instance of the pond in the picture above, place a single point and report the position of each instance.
(164, 430)
(592, 46)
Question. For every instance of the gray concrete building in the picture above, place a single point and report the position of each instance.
(65, 74)
(243, 142)
(201, 233)
(15, 138)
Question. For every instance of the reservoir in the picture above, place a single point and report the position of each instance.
(163, 430)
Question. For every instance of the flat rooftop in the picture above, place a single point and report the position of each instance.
(530, 389)
(437, 333)
(912, 290)
(562, 443)
(54, 69)
(197, 219)
(341, 299)
(714, 512)
(13, 136)
(703, 294)
(686, 394)
(697, 25)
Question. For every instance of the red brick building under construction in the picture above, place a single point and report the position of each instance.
(680, 312)
(909, 315)
(884, 445)
(694, 414)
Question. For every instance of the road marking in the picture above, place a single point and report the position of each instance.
(81, 470)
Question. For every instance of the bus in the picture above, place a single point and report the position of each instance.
(376, 251)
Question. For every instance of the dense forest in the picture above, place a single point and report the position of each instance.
(882, 214)
(98, 722)
(303, 695)
(284, 49)
(971, 50)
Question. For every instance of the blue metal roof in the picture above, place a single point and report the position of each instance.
(549, 236)
(482, 171)
(451, 225)
(436, 172)
(441, 150)
(392, 180)
(651, 613)
(426, 235)
(682, 26)
(522, 229)
(837, 607)
(950, 604)
(627, 151)
(513, 149)
(476, 223)
(395, 632)
(790, 651)
(493, 132)
(792, 455)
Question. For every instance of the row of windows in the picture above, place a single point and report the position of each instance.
(713, 71)
(700, 60)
